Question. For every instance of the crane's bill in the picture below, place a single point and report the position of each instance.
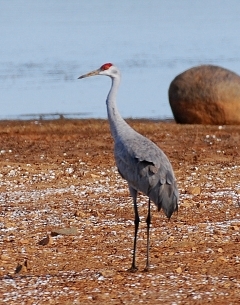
(95, 72)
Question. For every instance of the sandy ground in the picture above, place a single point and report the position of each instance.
(66, 217)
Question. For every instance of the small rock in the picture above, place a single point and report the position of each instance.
(222, 259)
(186, 203)
(235, 228)
(96, 213)
(5, 257)
(107, 273)
(194, 190)
(46, 241)
(79, 214)
(95, 176)
(179, 270)
(65, 231)
(27, 264)
(20, 268)
(119, 277)
(24, 241)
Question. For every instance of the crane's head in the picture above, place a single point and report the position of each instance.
(106, 69)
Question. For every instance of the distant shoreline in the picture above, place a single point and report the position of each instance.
(71, 116)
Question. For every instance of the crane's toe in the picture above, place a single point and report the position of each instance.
(133, 269)
(146, 269)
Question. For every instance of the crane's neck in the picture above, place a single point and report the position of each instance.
(118, 126)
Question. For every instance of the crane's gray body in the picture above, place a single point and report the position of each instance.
(139, 161)
(147, 169)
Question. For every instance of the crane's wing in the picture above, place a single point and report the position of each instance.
(147, 169)
(136, 153)
(138, 147)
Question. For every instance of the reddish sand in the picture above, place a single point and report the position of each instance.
(61, 175)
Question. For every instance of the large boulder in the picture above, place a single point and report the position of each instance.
(206, 95)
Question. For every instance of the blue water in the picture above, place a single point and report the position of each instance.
(46, 45)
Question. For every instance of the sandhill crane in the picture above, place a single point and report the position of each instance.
(139, 161)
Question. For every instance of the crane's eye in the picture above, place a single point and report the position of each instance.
(106, 66)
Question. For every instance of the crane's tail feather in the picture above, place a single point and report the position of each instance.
(168, 199)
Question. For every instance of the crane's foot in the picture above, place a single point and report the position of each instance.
(146, 269)
(133, 269)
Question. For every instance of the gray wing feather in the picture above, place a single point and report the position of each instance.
(147, 169)
(143, 149)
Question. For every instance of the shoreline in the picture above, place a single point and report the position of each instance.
(53, 117)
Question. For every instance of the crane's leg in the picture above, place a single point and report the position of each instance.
(136, 222)
(148, 221)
